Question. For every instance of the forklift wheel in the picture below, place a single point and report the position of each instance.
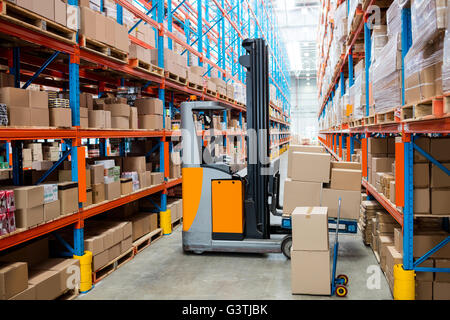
(341, 291)
(286, 245)
(344, 278)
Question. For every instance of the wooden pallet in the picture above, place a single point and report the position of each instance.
(25, 18)
(446, 104)
(176, 223)
(143, 242)
(222, 97)
(211, 93)
(69, 294)
(107, 269)
(370, 120)
(195, 86)
(103, 49)
(175, 78)
(231, 100)
(425, 110)
(146, 67)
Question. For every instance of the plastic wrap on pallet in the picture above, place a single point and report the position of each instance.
(446, 56)
(353, 4)
(387, 76)
(423, 66)
(427, 18)
(110, 8)
(379, 40)
(393, 19)
(340, 22)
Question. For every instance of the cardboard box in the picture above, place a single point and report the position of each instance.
(441, 290)
(421, 175)
(120, 110)
(424, 144)
(149, 106)
(27, 294)
(38, 99)
(114, 252)
(45, 8)
(131, 164)
(157, 178)
(13, 279)
(47, 284)
(97, 173)
(97, 119)
(40, 117)
(122, 41)
(52, 210)
(120, 122)
(310, 228)
(150, 122)
(422, 200)
(94, 244)
(350, 203)
(28, 197)
(112, 190)
(392, 191)
(311, 167)
(126, 245)
(110, 31)
(376, 145)
(398, 239)
(440, 201)
(301, 148)
(68, 196)
(126, 186)
(143, 180)
(301, 194)
(18, 116)
(346, 179)
(60, 12)
(345, 165)
(425, 241)
(383, 164)
(133, 120)
(98, 193)
(60, 117)
(440, 149)
(310, 272)
(424, 290)
(442, 276)
(439, 179)
(100, 260)
(14, 97)
(141, 223)
(88, 201)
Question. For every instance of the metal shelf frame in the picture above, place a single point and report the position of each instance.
(340, 137)
(214, 30)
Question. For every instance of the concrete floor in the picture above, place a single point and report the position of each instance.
(164, 271)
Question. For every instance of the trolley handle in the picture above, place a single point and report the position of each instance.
(338, 219)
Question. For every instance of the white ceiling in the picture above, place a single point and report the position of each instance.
(298, 23)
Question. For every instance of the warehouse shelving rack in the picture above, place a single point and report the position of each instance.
(343, 136)
(62, 63)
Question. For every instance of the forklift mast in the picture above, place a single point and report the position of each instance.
(257, 211)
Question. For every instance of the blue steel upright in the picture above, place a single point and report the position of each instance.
(408, 210)
(368, 49)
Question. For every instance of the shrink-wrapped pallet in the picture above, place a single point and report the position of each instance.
(446, 57)
(387, 77)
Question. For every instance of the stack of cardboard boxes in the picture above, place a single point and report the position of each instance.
(107, 240)
(175, 165)
(26, 107)
(429, 285)
(150, 113)
(368, 211)
(176, 208)
(96, 26)
(308, 168)
(310, 254)
(221, 85)
(28, 274)
(195, 75)
(54, 10)
(308, 183)
(173, 62)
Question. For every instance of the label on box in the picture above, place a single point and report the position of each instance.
(50, 192)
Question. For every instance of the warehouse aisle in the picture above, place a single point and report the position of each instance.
(163, 271)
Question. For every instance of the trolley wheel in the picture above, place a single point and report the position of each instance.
(341, 291)
(344, 278)
(286, 245)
